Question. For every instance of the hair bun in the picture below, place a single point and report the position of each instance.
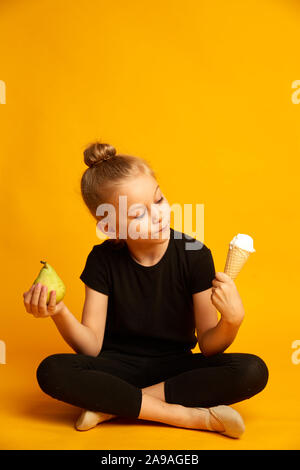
(98, 152)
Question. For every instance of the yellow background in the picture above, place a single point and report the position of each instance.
(203, 91)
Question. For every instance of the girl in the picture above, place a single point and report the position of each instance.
(148, 288)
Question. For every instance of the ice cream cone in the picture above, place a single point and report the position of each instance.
(236, 258)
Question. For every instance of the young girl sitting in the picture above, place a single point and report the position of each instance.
(148, 288)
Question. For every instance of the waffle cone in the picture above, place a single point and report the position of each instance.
(236, 258)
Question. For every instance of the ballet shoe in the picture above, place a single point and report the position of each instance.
(230, 419)
(89, 419)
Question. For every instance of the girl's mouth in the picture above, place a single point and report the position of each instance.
(164, 227)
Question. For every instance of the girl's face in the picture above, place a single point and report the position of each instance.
(147, 211)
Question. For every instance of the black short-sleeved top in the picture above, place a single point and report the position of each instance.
(150, 308)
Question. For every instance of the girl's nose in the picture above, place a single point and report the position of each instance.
(157, 216)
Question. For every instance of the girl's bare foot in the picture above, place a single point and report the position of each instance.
(90, 419)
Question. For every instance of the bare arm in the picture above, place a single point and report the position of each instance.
(80, 337)
(85, 337)
(218, 338)
(206, 319)
(215, 336)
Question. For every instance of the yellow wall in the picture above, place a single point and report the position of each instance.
(203, 91)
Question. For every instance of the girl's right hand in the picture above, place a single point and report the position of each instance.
(35, 301)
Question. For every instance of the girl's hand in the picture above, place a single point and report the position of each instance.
(226, 299)
(35, 301)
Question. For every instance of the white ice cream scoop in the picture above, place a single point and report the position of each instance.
(245, 242)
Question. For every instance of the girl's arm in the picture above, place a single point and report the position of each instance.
(218, 338)
(80, 337)
(85, 337)
(215, 336)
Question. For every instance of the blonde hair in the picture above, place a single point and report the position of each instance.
(107, 171)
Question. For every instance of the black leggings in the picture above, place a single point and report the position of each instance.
(112, 381)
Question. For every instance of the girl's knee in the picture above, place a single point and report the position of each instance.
(49, 370)
(254, 372)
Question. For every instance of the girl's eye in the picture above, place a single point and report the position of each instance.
(142, 215)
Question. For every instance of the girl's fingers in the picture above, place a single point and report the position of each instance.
(216, 283)
(216, 291)
(42, 306)
(27, 296)
(52, 302)
(35, 299)
(221, 276)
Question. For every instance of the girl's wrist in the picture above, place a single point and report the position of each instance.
(233, 321)
(62, 311)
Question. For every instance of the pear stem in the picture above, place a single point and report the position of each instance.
(44, 262)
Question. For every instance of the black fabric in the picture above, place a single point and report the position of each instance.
(112, 381)
(150, 308)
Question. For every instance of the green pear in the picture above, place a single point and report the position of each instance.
(48, 277)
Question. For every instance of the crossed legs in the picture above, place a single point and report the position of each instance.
(92, 384)
(155, 408)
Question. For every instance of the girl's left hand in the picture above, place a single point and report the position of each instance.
(226, 299)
